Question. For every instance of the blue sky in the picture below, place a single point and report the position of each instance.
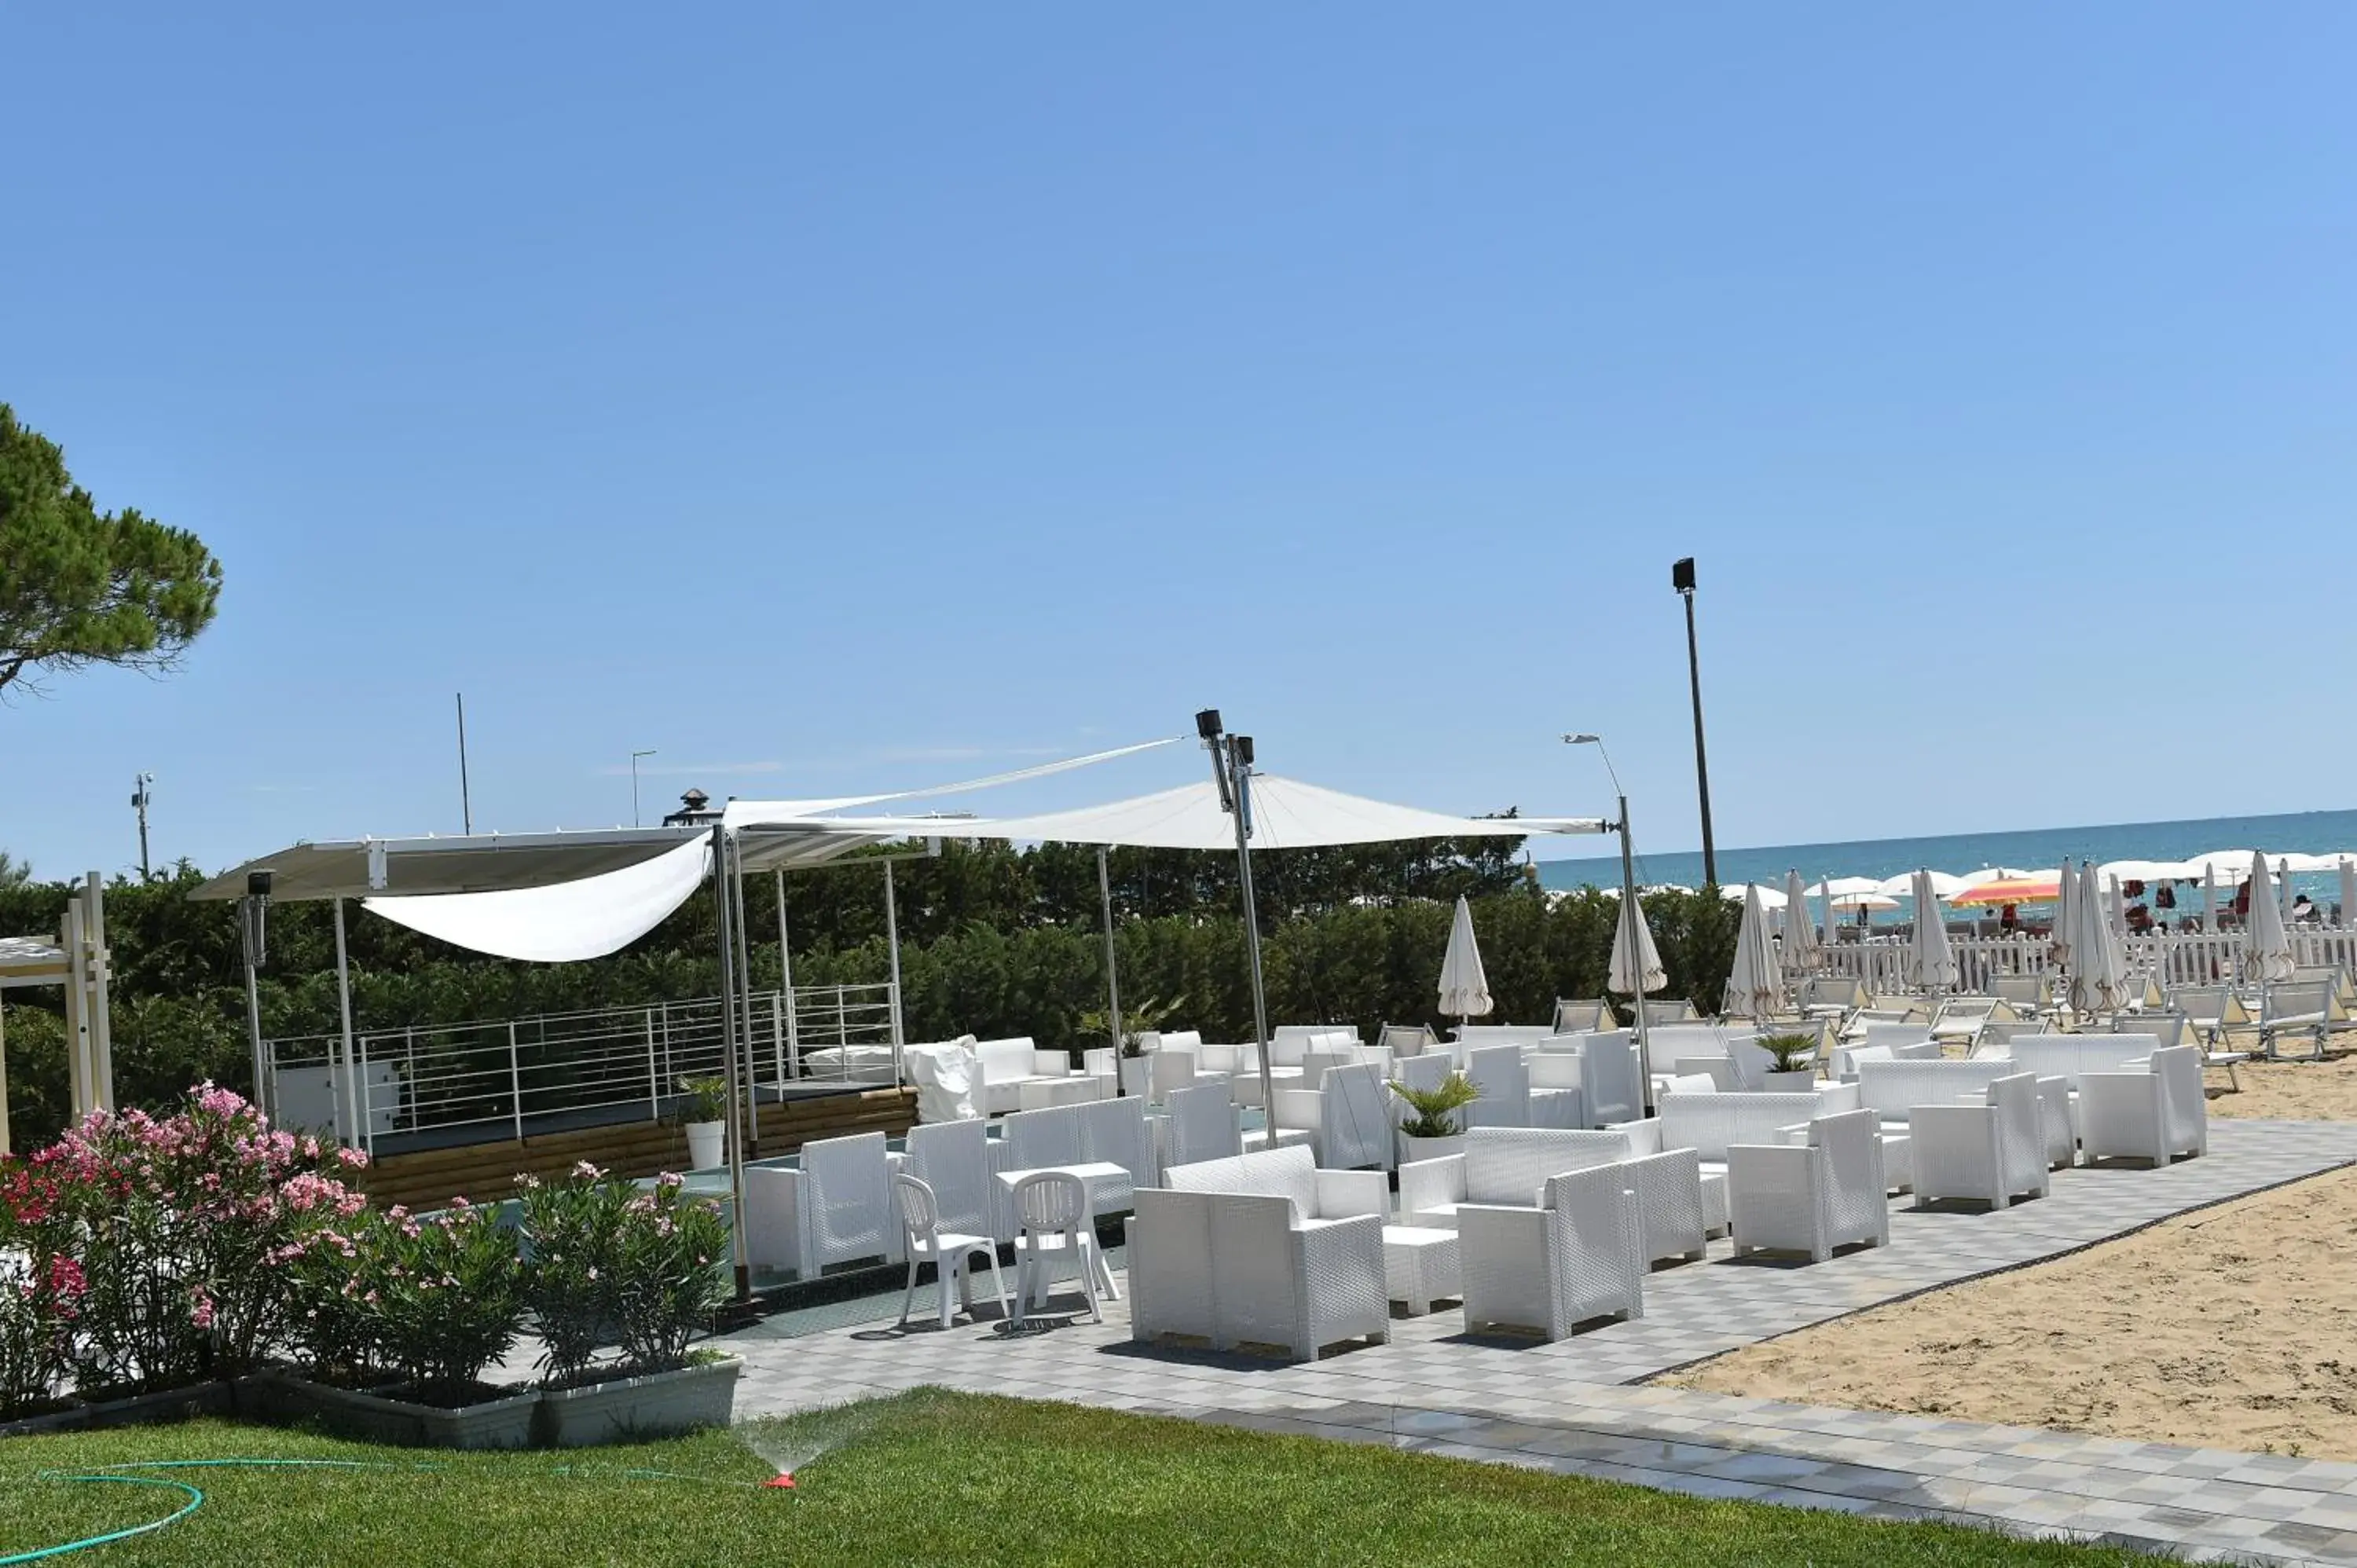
(857, 398)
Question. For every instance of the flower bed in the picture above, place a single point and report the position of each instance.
(140, 1255)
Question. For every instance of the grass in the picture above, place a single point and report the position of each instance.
(928, 1477)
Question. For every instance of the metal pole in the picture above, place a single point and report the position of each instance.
(1702, 762)
(1112, 970)
(654, 1084)
(466, 801)
(139, 800)
(4, 1080)
(745, 993)
(1630, 915)
(102, 1012)
(344, 1011)
(735, 1140)
(1242, 773)
(786, 984)
(892, 931)
(254, 1026)
(515, 1084)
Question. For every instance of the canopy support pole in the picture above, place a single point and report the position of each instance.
(892, 933)
(786, 985)
(737, 923)
(3, 1078)
(78, 1075)
(1630, 915)
(102, 1015)
(735, 1139)
(262, 1097)
(1112, 970)
(1252, 945)
(348, 1102)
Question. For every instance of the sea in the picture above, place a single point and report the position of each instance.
(2036, 849)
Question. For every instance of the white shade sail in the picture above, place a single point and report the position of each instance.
(2266, 950)
(1286, 812)
(1930, 960)
(1754, 986)
(1639, 970)
(564, 923)
(1464, 989)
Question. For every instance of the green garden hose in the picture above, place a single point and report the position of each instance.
(116, 1474)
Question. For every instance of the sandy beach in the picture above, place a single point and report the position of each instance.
(2223, 1328)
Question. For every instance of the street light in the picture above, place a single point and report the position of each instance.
(634, 782)
(1681, 578)
(1231, 770)
(140, 796)
(1631, 912)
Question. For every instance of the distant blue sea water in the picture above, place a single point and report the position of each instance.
(2312, 832)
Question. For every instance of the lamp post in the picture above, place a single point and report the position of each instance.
(1630, 910)
(634, 782)
(1231, 767)
(1681, 578)
(139, 799)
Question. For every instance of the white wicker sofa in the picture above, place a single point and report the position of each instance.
(1510, 1167)
(1263, 1265)
(1006, 1065)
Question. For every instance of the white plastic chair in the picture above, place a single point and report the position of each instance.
(1577, 1256)
(1814, 1196)
(1408, 1039)
(1992, 1152)
(2154, 1114)
(1051, 1208)
(950, 1252)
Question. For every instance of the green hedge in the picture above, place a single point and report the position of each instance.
(998, 943)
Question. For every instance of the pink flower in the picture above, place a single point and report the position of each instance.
(585, 1171)
(669, 1178)
(202, 1316)
(353, 1159)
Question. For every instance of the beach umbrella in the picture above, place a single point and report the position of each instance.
(1635, 972)
(1802, 950)
(1930, 960)
(2348, 891)
(2116, 910)
(1737, 892)
(2013, 887)
(2064, 938)
(2209, 897)
(2233, 867)
(2283, 887)
(1903, 885)
(1993, 874)
(1464, 989)
(2266, 952)
(1754, 986)
(2098, 966)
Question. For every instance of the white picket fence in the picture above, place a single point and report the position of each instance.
(2171, 958)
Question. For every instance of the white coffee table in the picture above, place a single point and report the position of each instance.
(1419, 1264)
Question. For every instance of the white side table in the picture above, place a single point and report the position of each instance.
(1419, 1264)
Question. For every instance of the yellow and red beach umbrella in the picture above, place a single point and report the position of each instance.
(2036, 888)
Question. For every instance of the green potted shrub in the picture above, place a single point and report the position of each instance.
(1433, 1126)
(1137, 1021)
(704, 1114)
(1792, 1061)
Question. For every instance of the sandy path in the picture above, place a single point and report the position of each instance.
(2227, 1329)
(2294, 1090)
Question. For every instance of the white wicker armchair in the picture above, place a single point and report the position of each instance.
(1500, 1166)
(1991, 1151)
(836, 1208)
(2155, 1114)
(1578, 1255)
(1814, 1196)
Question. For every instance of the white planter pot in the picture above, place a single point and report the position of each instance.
(385, 1417)
(1799, 1081)
(707, 1141)
(630, 1408)
(1412, 1149)
(1136, 1074)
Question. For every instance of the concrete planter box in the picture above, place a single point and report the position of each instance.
(657, 1404)
(1430, 1149)
(70, 1418)
(1799, 1081)
(382, 1415)
(1136, 1074)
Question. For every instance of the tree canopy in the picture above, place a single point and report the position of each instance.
(80, 586)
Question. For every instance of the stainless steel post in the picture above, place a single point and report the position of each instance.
(892, 931)
(745, 993)
(1631, 914)
(1242, 776)
(344, 1011)
(786, 984)
(263, 1099)
(1112, 970)
(735, 1136)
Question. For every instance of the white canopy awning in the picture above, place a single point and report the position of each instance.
(564, 923)
(1287, 814)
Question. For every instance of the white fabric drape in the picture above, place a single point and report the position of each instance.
(570, 920)
(1464, 989)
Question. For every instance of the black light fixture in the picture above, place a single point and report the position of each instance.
(1682, 579)
(694, 810)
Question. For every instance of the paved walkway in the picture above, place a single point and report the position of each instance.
(1572, 1407)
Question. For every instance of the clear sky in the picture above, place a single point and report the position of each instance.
(857, 397)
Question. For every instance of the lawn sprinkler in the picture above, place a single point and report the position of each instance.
(782, 1482)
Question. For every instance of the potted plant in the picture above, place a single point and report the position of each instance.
(1792, 1062)
(1433, 1128)
(704, 1116)
(1136, 1022)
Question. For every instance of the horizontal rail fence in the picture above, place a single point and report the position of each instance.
(495, 1074)
(2169, 958)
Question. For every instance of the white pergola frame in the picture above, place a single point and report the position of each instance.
(76, 960)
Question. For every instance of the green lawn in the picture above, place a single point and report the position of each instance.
(927, 1478)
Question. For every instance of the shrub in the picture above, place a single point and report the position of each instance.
(1436, 1109)
(333, 1288)
(612, 1264)
(38, 1307)
(449, 1300)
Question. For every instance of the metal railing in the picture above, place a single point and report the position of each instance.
(499, 1074)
